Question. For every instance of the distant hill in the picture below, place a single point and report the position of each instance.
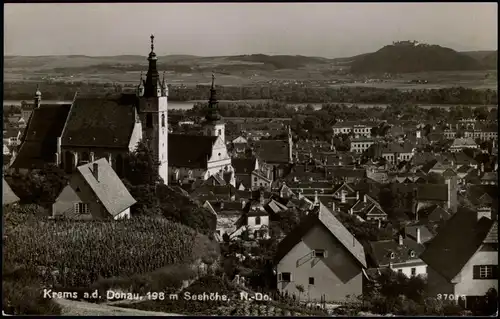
(280, 61)
(490, 60)
(240, 62)
(411, 57)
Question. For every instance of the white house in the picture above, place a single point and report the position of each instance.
(463, 257)
(94, 192)
(401, 256)
(322, 256)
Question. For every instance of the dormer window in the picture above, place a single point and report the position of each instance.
(393, 255)
(412, 253)
(320, 253)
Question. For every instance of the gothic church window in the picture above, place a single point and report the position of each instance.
(220, 133)
(163, 120)
(149, 120)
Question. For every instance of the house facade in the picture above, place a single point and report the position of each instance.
(463, 257)
(94, 192)
(323, 257)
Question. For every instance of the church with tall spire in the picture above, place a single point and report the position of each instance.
(92, 128)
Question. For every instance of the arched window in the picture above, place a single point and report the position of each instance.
(163, 120)
(257, 220)
(220, 133)
(149, 120)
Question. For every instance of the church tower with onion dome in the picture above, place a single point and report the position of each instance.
(214, 124)
(153, 105)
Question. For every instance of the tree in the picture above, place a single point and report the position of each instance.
(481, 113)
(226, 238)
(38, 187)
(141, 166)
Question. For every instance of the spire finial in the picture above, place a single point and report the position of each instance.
(163, 76)
(152, 43)
(213, 80)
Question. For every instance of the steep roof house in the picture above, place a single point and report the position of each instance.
(9, 197)
(463, 257)
(323, 256)
(402, 255)
(94, 192)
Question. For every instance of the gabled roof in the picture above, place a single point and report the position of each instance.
(9, 196)
(275, 207)
(457, 242)
(381, 251)
(376, 210)
(272, 151)
(108, 187)
(100, 122)
(433, 213)
(425, 233)
(322, 216)
(196, 150)
(40, 137)
(243, 165)
(432, 192)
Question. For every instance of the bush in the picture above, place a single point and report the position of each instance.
(22, 293)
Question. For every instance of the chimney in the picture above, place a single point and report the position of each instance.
(357, 195)
(95, 171)
(400, 240)
(316, 200)
(342, 197)
(482, 167)
(243, 203)
(379, 223)
(418, 236)
(221, 205)
(418, 134)
(333, 206)
(261, 198)
(351, 211)
(364, 198)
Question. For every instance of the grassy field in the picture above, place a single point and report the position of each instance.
(236, 71)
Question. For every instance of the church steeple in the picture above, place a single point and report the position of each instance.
(212, 114)
(152, 85)
(140, 87)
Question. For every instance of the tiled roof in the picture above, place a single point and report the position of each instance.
(108, 187)
(40, 138)
(100, 122)
(475, 193)
(194, 156)
(432, 192)
(465, 141)
(8, 195)
(433, 213)
(456, 243)
(275, 207)
(221, 207)
(243, 165)
(425, 233)
(322, 216)
(381, 251)
(272, 151)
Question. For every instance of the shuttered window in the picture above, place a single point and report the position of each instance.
(82, 208)
(485, 272)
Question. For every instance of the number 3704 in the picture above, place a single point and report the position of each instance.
(450, 297)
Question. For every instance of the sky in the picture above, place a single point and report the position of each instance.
(213, 29)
